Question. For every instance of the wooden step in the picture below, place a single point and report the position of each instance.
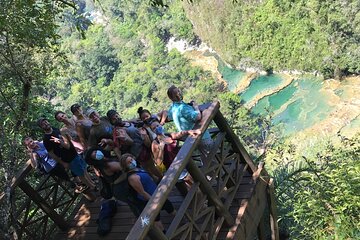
(85, 226)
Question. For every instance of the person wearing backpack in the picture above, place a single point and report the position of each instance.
(129, 139)
(113, 185)
(43, 163)
(143, 185)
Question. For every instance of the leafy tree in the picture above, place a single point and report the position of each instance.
(27, 48)
(317, 192)
(308, 36)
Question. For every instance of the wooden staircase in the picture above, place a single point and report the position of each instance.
(231, 198)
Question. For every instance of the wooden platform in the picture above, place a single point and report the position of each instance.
(85, 225)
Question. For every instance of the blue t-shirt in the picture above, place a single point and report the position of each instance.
(45, 161)
(184, 117)
(148, 183)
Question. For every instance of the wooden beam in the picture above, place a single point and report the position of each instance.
(19, 177)
(183, 208)
(156, 234)
(41, 202)
(273, 213)
(167, 183)
(233, 139)
(210, 193)
(250, 212)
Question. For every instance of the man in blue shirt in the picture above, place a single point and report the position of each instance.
(185, 116)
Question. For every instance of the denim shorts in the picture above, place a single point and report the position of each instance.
(78, 166)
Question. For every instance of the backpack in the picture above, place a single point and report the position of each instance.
(107, 211)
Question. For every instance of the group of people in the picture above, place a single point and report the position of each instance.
(130, 156)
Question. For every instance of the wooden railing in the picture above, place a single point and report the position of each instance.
(205, 208)
(41, 208)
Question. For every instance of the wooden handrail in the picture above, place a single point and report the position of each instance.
(20, 176)
(154, 205)
(34, 196)
(228, 161)
(231, 137)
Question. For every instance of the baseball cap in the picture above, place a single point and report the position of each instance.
(90, 111)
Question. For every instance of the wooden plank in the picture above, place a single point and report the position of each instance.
(233, 139)
(254, 210)
(273, 213)
(183, 208)
(170, 178)
(60, 221)
(210, 193)
(19, 177)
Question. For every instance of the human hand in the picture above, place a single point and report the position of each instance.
(55, 139)
(194, 133)
(103, 142)
(161, 145)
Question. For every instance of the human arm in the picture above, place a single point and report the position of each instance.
(179, 135)
(190, 113)
(122, 136)
(145, 137)
(196, 108)
(112, 168)
(64, 140)
(158, 152)
(163, 117)
(117, 152)
(134, 181)
(107, 144)
(59, 160)
(33, 160)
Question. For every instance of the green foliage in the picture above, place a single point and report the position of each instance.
(255, 132)
(318, 194)
(124, 64)
(282, 35)
(28, 45)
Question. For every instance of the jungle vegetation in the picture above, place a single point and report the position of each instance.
(113, 55)
(308, 36)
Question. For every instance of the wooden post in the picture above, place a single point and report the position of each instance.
(210, 193)
(156, 234)
(273, 215)
(41, 202)
(153, 207)
(233, 139)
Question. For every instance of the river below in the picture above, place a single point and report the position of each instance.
(301, 104)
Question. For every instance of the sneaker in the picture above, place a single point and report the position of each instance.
(183, 174)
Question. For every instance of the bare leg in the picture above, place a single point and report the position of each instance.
(159, 225)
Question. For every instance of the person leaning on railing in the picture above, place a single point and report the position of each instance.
(144, 186)
(61, 149)
(165, 148)
(112, 177)
(185, 115)
(41, 160)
